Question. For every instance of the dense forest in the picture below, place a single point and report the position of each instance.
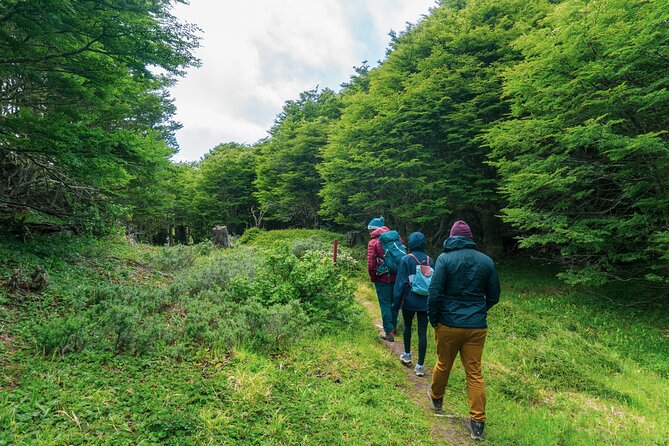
(542, 123)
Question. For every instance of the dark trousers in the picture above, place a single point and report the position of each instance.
(384, 292)
(421, 317)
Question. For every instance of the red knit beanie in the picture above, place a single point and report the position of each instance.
(461, 228)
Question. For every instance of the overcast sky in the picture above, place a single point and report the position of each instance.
(257, 54)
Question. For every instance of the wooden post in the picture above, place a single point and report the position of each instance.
(334, 253)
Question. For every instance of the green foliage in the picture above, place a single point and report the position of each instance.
(300, 247)
(149, 359)
(314, 281)
(409, 147)
(84, 116)
(585, 158)
(260, 237)
(262, 299)
(250, 235)
(287, 180)
(223, 187)
(578, 355)
(161, 201)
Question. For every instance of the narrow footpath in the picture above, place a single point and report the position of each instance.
(447, 428)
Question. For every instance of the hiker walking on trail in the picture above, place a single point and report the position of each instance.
(410, 295)
(384, 251)
(464, 287)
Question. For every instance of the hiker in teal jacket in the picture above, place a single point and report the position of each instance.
(463, 288)
(410, 302)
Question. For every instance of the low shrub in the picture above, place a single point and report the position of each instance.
(261, 237)
(300, 247)
(174, 258)
(263, 299)
(61, 334)
(249, 236)
(324, 293)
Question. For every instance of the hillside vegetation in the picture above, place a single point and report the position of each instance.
(265, 344)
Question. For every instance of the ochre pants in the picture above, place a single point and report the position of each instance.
(469, 343)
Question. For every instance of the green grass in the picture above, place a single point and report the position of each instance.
(331, 387)
(341, 389)
(562, 366)
(565, 366)
(575, 366)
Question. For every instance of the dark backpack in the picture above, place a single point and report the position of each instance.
(393, 251)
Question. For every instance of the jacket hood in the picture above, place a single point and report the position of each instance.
(459, 242)
(416, 241)
(378, 232)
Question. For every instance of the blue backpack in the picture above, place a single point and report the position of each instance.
(423, 277)
(393, 251)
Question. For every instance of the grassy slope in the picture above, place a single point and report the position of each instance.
(566, 367)
(575, 367)
(341, 388)
(561, 367)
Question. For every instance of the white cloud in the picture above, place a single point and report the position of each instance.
(394, 17)
(257, 54)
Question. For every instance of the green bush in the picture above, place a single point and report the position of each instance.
(300, 247)
(273, 328)
(249, 236)
(325, 294)
(174, 258)
(216, 270)
(61, 334)
(265, 299)
(260, 237)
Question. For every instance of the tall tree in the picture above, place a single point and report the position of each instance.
(83, 111)
(223, 190)
(410, 146)
(585, 159)
(287, 180)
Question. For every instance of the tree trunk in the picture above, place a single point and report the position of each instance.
(354, 238)
(181, 234)
(221, 237)
(170, 235)
(492, 232)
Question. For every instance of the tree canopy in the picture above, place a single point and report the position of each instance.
(543, 121)
(83, 105)
(584, 159)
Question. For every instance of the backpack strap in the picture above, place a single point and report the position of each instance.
(418, 261)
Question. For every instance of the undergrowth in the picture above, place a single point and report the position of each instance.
(263, 344)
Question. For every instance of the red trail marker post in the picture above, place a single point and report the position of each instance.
(334, 253)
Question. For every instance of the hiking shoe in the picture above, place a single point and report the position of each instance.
(387, 337)
(405, 358)
(420, 370)
(437, 403)
(476, 429)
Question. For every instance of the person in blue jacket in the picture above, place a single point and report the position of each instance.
(412, 304)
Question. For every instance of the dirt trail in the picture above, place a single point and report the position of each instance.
(447, 427)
